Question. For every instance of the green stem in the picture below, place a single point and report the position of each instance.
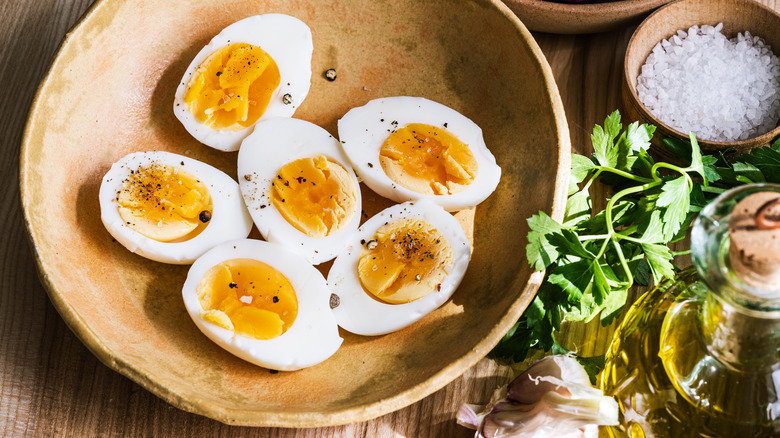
(603, 248)
(679, 253)
(620, 194)
(637, 240)
(711, 189)
(684, 172)
(592, 178)
(623, 262)
(627, 175)
(594, 237)
(669, 166)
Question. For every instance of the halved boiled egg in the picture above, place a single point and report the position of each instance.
(299, 187)
(401, 264)
(171, 208)
(407, 148)
(262, 303)
(256, 68)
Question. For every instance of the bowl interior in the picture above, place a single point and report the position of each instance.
(110, 92)
(736, 16)
(574, 18)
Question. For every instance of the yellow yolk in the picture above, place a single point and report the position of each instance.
(230, 90)
(315, 195)
(428, 160)
(404, 261)
(164, 203)
(249, 297)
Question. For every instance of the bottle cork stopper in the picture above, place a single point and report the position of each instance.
(754, 251)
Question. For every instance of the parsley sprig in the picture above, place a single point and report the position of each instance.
(594, 257)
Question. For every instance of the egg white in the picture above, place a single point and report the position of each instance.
(313, 336)
(357, 312)
(230, 219)
(364, 129)
(287, 40)
(273, 144)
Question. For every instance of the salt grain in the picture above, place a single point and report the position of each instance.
(722, 90)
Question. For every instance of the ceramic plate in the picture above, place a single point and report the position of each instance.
(109, 92)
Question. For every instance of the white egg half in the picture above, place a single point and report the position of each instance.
(364, 130)
(261, 160)
(312, 337)
(287, 40)
(229, 218)
(362, 314)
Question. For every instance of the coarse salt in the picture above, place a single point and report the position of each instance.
(720, 89)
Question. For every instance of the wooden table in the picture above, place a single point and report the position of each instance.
(51, 385)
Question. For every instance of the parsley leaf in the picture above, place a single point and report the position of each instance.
(603, 141)
(676, 198)
(573, 278)
(767, 161)
(697, 164)
(612, 126)
(581, 168)
(652, 227)
(710, 174)
(638, 137)
(749, 173)
(539, 251)
(577, 208)
(595, 255)
(759, 165)
(660, 260)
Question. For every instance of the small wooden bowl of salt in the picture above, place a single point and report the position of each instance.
(723, 88)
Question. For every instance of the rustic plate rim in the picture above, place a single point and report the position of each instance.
(620, 5)
(593, 14)
(295, 419)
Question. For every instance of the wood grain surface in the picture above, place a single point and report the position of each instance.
(51, 385)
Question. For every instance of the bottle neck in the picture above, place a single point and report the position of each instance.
(740, 323)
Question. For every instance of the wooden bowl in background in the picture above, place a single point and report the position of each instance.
(736, 16)
(110, 92)
(572, 18)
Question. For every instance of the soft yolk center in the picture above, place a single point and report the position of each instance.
(249, 297)
(230, 90)
(428, 160)
(315, 195)
(404, 261)
(164, 203)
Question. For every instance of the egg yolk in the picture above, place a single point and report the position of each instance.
(164, 203)
(248, 297)
(428, 160)
(404, 261)
(230, 90)
(315, 195)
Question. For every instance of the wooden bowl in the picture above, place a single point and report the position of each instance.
(570, 18)
(110, 92)
(736, 16)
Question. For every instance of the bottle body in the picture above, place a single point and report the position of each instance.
(635, 374)
(696, 357)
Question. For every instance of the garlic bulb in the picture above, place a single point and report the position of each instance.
(552, 398)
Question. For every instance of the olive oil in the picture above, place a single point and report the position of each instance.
(699, 356)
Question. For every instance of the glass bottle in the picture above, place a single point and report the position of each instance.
(699, 356)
